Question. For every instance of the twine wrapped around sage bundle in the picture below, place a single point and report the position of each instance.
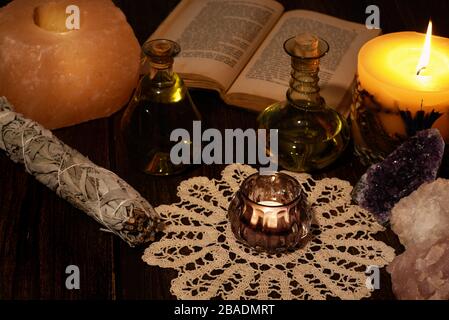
(100, 193)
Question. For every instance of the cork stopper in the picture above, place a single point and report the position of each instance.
(161, 48)
(306, 45)
(161, 52)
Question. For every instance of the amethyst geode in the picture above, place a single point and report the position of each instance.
(413, 163)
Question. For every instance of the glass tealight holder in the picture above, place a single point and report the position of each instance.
(270, 213)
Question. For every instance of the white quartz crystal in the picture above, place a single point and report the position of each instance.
(422, 273)
(422, 218)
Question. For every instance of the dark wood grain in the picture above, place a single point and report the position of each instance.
(41, 234)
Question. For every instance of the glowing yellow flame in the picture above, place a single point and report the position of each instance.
(425, 55)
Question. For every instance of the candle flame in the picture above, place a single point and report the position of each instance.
(425, 55)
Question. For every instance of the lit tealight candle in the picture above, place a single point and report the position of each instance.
(410, 72)
(269, 214)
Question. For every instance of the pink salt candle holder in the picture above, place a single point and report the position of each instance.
(270, 213)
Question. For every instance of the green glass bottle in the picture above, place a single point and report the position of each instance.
(311, 134)
(161, 104)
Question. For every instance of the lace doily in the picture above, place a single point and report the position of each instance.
(199, 244)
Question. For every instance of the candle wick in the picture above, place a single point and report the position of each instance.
(419, 71)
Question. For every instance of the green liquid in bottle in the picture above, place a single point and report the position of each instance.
(160, 105)
(309, 138)
(311, 134)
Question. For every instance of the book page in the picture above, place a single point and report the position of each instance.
(217, 37)
(267, 74)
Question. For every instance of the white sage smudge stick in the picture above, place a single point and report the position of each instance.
(100, 193)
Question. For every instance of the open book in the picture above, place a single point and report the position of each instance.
(236, 47)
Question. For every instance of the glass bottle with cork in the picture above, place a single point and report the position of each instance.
(161, 104)
(311, 134)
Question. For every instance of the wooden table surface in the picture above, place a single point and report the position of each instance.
(40, 234)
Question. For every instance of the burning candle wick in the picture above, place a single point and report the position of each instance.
(419, 71)
(425, 56)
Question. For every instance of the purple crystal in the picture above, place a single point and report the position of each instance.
(413, 163)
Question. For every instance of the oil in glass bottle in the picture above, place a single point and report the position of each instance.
(161, 104)
(311, 134)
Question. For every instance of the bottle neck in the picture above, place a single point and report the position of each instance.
(304, 89)
(161, 75)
